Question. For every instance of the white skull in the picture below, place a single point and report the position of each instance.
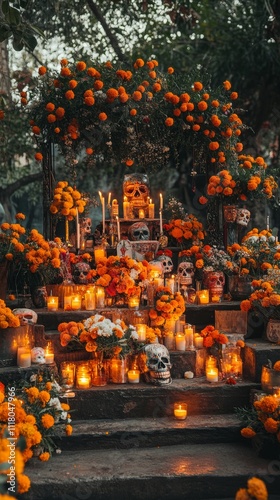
(80, 272)
(139, 232)
(185, 273)
(85, 226)
(26, 316)
(167, 263)
(38, 355)
(243, 216)
(158, 364)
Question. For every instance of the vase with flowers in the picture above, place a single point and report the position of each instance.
(168, 308)
(213, 342)
(185, 232)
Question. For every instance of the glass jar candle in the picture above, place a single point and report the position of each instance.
(83, 376)
(180, 411)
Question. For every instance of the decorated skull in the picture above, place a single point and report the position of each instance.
(80, 272)
(137, 191)
(139, 231)
(185, 273)
(26, 316)
(85, 227)
(230, 213)
(216, 281)
(243, 216)
(167, 263)
(38, 355)
(158, 364)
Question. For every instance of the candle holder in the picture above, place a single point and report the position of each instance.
(49, 353)
(203, 296)
(180, 411)
(133, 376)
(52, 303)
(141, 329)
(67, 371)
(83, 376)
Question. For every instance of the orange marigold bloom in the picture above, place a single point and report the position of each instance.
(197, 86)
(129, 162)
(38, 156)
(170, 70)
(202, 200)
(60, 112)
(137, 96)
(169, 122)
(215, 103)
(234, 95)
(36, 130)
(156, 87)
(196, 128)
(271, 425)
(89, 151)
(102, 117)
(44, 457)
(69, 95)
(51, 118)
(98, 84)
(247, 432)
(50, 106)
(139, 63)
(42, 70)
(89, 101)
(152, 74)
(133, 112)
(227, 85)
(213, 146)
(65, 72)
(202, 105)
(81, 66)
(112, 93)
(276, 366)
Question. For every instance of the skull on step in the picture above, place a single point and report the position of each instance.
(167, 263)
(185, 273)
(158, 364)
(26, 316)
(80, 272)
(139, 232)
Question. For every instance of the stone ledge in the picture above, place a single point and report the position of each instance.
(256, 354)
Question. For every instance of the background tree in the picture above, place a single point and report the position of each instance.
(238, 41)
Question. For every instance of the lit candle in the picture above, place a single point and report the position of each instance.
(151, 210)
(67, 302)
(215, 298)
(67, 374)
(141, 214)
(180, 411)
(52, 303)
(212, 375)
(49, 353)
(23, 357)
(198, 341)
(133, 302)
(76, 302)
(90, 299)
(78, 234)
(118, 228)
(160, 201)
(103, 211)
(203, 296)
(125, 208)
(160, 222)
(141, 329)
(99, 253)
(115, 208)
(83, 381)
(180, 342)
(189, 336)
(100, 297)
(133, 376)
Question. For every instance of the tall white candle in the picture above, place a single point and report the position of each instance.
(78, 235)
(160, 201)
(103, 210)
(180, 343)
(118, 228)
(109, 199)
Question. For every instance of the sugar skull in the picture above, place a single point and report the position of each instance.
(80, 272)
(243, 216)
(230, 213)
(157, 364)
(139, 232)
(185, 273)
(38, 355)
(26, 316)
(167, 263)
(137, 191)
(215, 282)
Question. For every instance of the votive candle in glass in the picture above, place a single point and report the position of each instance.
(133, 376)
(133, 303)
(141, 329)
(90, 299)
(203, 296)
(49, 353)
(212, 374)
(180, 411)
(67, 371)
(52, 303)
(198, 341)
(189, 336)
(99, 253)
(24, 357)
(76, 302)
(180, 342)
(168, 340)
(100, 297)
(83, 377)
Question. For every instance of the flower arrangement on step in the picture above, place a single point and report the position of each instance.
(266, 296)
(208, 258)
(261, 423)
(258, 253)
(10, 238)
(120, 276)
(100, 334)
(67, 201)
(256, 490)
(185, 232)
(40, 418)
(168, 306)
(7, 317)
(213, 339)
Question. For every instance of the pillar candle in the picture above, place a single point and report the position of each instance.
(189, 336)
(212, 375)
(90, 299)
(76, 302)
(125, 208)
(141, 329)
(160, 202)
(52, 303)
(103, 211)
(151, 210)
(49, 353)
(180, 342)
(198, 341)
(78, 234)
(170, 283)
(160, 222)
(168, 341)
(99, 253)
(23, 357)
(141, 214)
(118, 228)
(100, 297)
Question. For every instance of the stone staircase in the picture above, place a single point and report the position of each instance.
(127, 445)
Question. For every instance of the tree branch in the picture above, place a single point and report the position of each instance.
(24, 181)
(113, 39)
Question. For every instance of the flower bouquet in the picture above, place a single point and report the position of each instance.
(265, 298)
(185, 232)
(213, 339)
(100, 334)
(168, 306)
(262, 424)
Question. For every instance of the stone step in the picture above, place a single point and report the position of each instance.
(125, 401)
(149, 432)
(183, 471)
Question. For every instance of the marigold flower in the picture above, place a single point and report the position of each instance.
(169, 122)
(42, 70)
(81, 66)
(44, 457)
(197, 86)
(133, 112)
(227, 85)
(38, 156)
(247, 432)
(276, 366)
(213, 146)
(69, 95)
(47, 421)
(129, 162)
